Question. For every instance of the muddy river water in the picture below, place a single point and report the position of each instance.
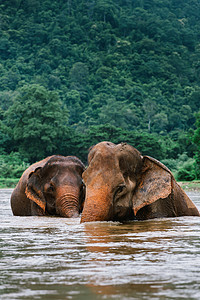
(56, 258)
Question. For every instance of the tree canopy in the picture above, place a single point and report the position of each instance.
(196, 139)
(37, 122)
(73, 72)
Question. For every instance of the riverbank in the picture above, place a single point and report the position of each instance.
(6, 183)
(190, 185)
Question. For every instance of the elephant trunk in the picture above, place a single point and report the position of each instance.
(67, 204)
(98, 204)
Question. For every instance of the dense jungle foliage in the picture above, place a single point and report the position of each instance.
(74, 73)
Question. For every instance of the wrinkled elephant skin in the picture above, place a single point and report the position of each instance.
(52, 186)
(121, 184)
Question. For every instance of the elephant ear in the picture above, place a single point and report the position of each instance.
(34, 188)
(155, 183)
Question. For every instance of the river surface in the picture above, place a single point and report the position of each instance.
(56, 258)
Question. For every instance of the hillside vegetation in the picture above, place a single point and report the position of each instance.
(74, 73)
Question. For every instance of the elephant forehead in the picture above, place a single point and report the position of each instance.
(106, 163)
(103, 163)
(101, 170)
(102, 154)
(66, 177)
(58, 169)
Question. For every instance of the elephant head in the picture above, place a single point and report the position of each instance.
(121, 184)
(56, 188)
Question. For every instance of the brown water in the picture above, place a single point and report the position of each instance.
(57, 258)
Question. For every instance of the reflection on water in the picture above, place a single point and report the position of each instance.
(57, 258)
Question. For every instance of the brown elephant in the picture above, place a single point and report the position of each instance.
(52, 186)
(121, 184)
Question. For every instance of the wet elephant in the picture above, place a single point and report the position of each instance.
(52, 186)
(121, 184)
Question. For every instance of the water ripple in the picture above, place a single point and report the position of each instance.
(57, 258)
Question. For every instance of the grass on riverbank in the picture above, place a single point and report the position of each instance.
(190, 185)
(8, 182)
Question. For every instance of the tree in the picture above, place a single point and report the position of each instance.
(73, 101)
(129, 64)
(196, 139)
(78, 76)
(150, 110)
(5, 140)
(37, 121)
(160, 122)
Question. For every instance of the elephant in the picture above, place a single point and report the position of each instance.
(52, 186)
(122, 185)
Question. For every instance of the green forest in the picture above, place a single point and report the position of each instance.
(74, 73)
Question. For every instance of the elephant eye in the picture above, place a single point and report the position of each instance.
(51, 188)
(120, 189)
